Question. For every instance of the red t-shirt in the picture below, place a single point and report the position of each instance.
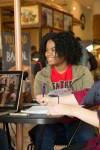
(61, 80)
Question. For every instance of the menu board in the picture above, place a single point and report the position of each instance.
(30, 15)
(8, 53)
(58, 20)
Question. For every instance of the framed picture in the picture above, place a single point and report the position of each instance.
(83, 21)
(47, 17)
(58, 20)
(30, 15)
(68, 20)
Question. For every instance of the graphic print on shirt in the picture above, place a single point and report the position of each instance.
(62, 84)
(62, 80)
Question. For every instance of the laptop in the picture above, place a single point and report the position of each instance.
(10, 91)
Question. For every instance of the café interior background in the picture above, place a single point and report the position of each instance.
(86, 9)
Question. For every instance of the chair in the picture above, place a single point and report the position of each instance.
(31, 146)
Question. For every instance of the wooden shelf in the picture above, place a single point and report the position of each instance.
(76, 21)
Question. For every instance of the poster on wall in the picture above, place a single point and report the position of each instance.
(29, 15)
(58, 20)
(47, 17)
(67, 22)
(8, 53)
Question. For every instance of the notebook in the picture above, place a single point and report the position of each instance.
(10, 90)
(36, 110)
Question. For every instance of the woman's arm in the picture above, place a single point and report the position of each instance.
(88, 116)
(83, 114)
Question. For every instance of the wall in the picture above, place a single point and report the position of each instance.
(87, 33)
(96, 20)
(34, 35)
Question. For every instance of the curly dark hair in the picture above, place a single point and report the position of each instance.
(42, 59)
(66, 46)
(42, 48)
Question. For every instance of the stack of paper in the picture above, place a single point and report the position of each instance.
(36, 110)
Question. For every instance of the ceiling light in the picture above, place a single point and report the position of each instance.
(88, 7)
(74, 8)
(92, 47)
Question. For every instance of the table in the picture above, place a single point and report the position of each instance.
(20, 120)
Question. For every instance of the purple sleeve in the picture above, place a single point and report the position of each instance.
(98, 111)
(79, 95)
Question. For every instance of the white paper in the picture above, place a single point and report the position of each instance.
(36, 110)
(68, 99)
(64, 99)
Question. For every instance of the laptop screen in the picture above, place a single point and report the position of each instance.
(10, 89)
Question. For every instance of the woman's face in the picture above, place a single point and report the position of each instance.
(51, 55)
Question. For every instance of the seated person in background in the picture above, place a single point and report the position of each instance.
(86, 115)
(85, 57)
(92, 61)
(27, 96)
(34, 53)
(88, 59)
(36, 64)
(63, 53)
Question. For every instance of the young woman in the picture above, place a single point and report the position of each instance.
(62, 53)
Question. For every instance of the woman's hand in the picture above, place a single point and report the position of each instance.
(42, 100)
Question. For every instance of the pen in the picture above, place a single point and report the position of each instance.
(58, 99)
(43, 89)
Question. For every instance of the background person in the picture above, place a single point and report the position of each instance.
(85, 57)
(34, 53)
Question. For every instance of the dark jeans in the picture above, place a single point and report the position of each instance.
(46, 136)
(3, 140)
